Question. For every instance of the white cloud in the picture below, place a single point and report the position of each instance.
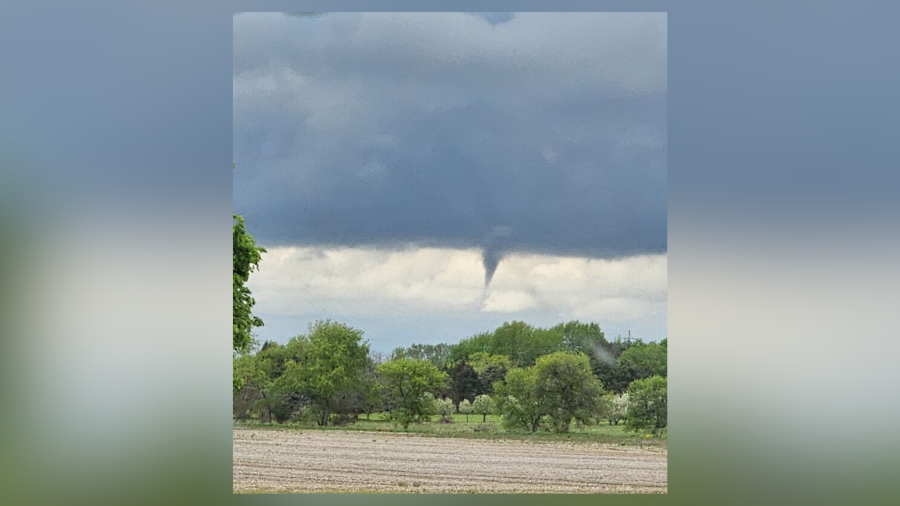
(506, 301)
(296, 281)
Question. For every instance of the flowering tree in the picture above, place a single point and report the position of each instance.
(445, 408)
(618, 409)
(483, 405)
(465, 407)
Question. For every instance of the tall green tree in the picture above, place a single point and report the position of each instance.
(511, 339)
(642, 360)
(437, 354)
(613, 378)
(565, 382)
(245, 256)
(579, 337)
(464, 384)
(516, 400)
(517, 340)
(408, 380)
(334, 368)
(490, 369)
(542, 342)
(461, 351)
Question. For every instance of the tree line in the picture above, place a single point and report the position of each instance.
(535, 378)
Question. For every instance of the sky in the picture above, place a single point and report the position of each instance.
(428, 176)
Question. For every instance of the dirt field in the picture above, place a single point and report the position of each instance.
(319, 461)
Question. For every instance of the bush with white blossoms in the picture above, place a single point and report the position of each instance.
(618, 409)
(445, 408)
(483, 405)
(465, 407)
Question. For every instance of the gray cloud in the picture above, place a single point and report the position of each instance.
(541, 133)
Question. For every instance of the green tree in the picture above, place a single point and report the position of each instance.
(612, 377)
(642, 360)
(482, 361)
(566, 384)
(516, 400)
(408, 380)
(490, 369)
(542, 342)
(261, 375)
(517, 340)
(334, 367)
(371, 399)
(461, 351)
(579, 337)
(464, 384)
(437, 354)
(647, 405)
(509, 339)
(245, 256)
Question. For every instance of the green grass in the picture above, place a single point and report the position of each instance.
(491, 429)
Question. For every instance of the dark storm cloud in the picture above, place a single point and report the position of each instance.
(541, 133)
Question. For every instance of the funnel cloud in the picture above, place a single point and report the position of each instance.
(492, 251)
(491, 259)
